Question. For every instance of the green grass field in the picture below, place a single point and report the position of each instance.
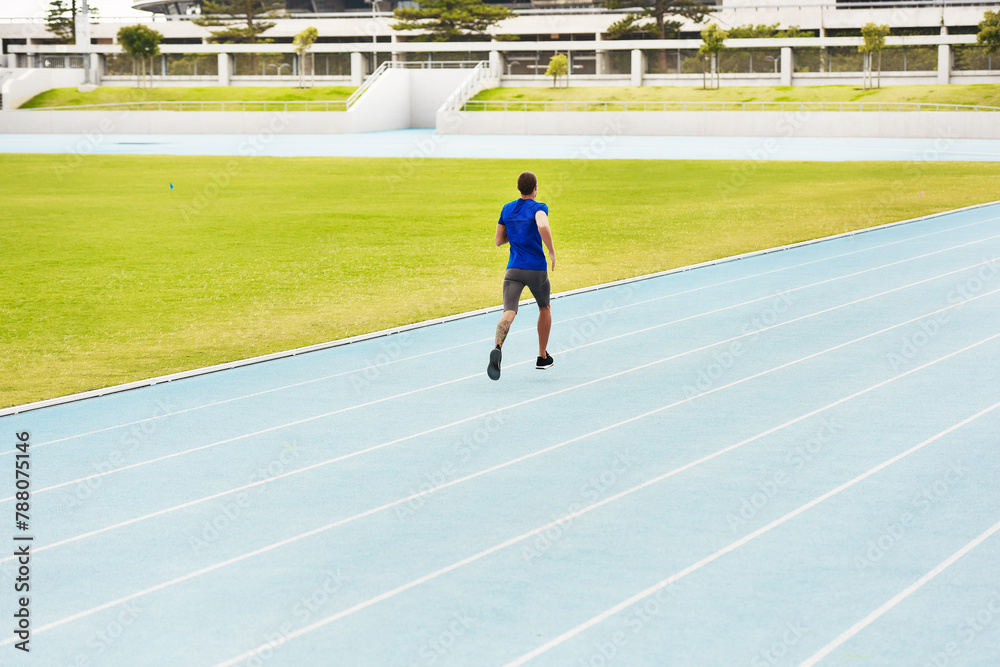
(61, 97)
(982, 95)
(109, 276)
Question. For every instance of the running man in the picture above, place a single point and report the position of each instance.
(525, 223)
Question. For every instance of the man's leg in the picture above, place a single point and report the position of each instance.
(503, 327)
(511, 294)
(541, 291)
(544, 325)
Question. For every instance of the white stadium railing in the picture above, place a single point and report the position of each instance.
(434, 64)
(207, 105)
(509, 105)
(483, 75)
(367, 84)
(459, 101)
(267, 105)
(400, 64)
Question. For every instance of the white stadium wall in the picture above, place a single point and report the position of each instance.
(385, 105)
(404, 98)
(428, 91)
(873, 124)
(40, 121)
(23, 84)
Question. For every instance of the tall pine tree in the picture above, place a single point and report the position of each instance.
(243, 21)
(636, 24)
(60, 20)
(447, 20)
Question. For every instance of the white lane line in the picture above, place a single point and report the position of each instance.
(625, 604)
(513, 405)
(483, 340)
(899, 597)
(236, 398)
(562, 521)
(340, 522)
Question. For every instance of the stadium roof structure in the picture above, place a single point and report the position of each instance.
(293, 7)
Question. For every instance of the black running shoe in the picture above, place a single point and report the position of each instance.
(493, 370)
(545, 363)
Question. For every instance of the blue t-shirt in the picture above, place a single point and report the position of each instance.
(522, 231)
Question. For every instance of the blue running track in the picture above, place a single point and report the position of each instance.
(786, 459)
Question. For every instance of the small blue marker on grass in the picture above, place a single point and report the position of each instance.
(171, 186)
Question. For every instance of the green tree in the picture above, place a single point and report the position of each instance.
(751, 31)
(989, 31)
(142, 43)
(60, 20)
(558, 66)
(243, 21)
(713, 41)
(303, 41)
(660, 27)
(874, 36)
(448, 20)
(632, 27)
(794, 31)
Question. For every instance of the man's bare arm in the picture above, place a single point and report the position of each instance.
(501, 236)
(542, 220)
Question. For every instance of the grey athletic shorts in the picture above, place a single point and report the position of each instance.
(514, 282)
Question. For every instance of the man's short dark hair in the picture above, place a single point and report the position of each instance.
(527, 182)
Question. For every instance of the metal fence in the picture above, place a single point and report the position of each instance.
(266, 105)
(848, 59)
(975, 58)
(508, 105)
(440, 59)
(433, 64)
(222, 105)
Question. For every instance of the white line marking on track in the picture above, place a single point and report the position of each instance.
(321, 529)
(625, 604)
(537, 398)
(899, 597)
(483, 340)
